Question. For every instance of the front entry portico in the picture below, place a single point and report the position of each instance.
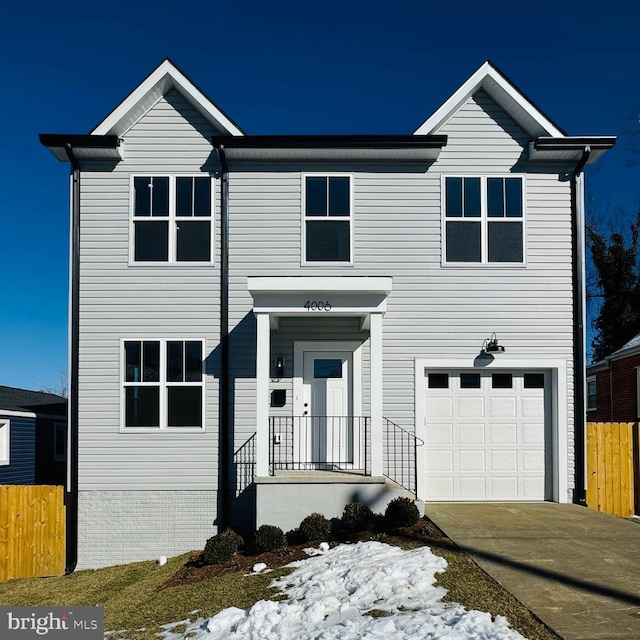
(327, 375)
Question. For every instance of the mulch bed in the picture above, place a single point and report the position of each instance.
(423, 532)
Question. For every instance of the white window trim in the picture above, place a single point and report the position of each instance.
(303, 246)
(5, 442)
(483, 219)
(593, 379)
(171, 219)
(162, 384)
(59, 426)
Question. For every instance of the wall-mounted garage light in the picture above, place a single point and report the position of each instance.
(279, 362)
(490, 345)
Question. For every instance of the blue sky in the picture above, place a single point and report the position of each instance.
(279, 67)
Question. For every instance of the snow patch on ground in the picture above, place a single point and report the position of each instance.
(330, 593)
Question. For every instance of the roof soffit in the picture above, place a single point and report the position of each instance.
(165, 78)
(505, 94)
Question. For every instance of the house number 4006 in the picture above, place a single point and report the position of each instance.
(317, 306)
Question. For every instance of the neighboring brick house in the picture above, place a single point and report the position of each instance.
(613, 385)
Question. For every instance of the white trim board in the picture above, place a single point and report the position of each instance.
(488, 78)
(164, 78)
(559, 412)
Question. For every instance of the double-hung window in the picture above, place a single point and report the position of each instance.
(172, 219)
(328, 219)
(163, 384)
(483, 220)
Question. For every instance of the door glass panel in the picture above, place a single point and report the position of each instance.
(327, 368)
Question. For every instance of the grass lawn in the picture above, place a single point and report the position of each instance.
(139, 597)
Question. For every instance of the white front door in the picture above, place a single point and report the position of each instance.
(325, 417)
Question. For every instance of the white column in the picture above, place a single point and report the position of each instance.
(263, 349)
(375, 341)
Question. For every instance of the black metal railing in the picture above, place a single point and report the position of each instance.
(399, 455)
(244, 460)
(330, 443)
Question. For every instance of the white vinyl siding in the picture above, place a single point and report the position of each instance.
(397, 226)
(117, 301)
(397, 232)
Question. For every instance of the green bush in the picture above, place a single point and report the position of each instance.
(357, 517)
(315, 527)
(401, 512)
(269, 538)
(222, 547)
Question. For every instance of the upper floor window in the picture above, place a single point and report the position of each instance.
(592, 394)
(483, 220)
(328, 219)
(172, 219)
(163, 384)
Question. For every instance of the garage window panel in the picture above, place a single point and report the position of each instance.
(501, 381)
(438, 381)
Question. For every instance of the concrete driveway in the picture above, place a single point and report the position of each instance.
(578, 570)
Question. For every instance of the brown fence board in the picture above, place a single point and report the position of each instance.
(32, 531)
(611, 482)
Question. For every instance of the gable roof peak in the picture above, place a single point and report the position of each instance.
(165, 77)
(505, 93)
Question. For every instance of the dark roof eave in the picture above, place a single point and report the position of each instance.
(79, 140)
(574, 143)
(331, 142)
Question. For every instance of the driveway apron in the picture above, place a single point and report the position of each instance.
(578, 570)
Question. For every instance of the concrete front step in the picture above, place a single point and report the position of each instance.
(288, 497)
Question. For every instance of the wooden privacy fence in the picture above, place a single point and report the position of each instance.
(612, 458)
(32, 531)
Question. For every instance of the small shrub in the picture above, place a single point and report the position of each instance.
(269, 538)
(357, 517)
(315, 527)
(401, 512)
(222, 547)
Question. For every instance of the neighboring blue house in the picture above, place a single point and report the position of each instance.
(266, 326)
(33, 437)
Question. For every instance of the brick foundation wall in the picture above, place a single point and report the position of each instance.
(117, 527)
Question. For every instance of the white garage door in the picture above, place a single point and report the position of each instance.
(486, 434)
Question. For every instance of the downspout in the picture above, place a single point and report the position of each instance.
(223, 462)
(71, 493)
(579, 368)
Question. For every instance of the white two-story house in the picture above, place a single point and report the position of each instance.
(267, 326)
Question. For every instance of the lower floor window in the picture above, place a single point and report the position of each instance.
(163, 385)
